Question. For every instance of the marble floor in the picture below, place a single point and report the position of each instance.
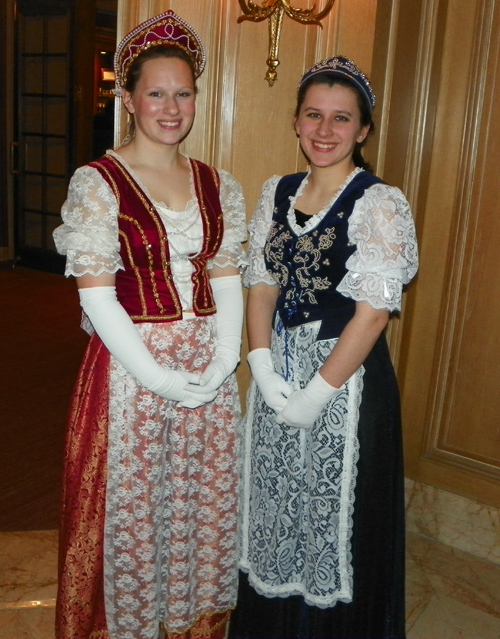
(450, 594)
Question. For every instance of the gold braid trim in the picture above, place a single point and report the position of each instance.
(202, 628)
(208, 230)
(205, 627)
(162, 241)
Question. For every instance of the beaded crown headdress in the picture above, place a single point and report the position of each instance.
(166, 29)
(343, 68)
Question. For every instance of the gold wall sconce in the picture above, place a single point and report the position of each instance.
(274, 10)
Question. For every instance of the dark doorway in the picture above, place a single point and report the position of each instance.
(58, 93)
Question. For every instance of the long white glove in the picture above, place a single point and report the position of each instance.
(273, 387)
(114, 326)
(228, 298)
(304, 406)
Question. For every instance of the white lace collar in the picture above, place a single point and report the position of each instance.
(314, 220)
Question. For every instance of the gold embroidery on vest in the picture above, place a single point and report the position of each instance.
(197, 280)
(163, 244)
(135, 268)
(114, 185)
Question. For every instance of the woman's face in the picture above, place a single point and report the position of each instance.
(163, 102)
(329, 126)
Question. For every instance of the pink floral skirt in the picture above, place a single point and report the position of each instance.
(148, 535)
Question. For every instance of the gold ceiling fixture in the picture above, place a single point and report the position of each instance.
(274, 10)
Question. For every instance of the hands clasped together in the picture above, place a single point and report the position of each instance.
(299, 408)
(191, 390)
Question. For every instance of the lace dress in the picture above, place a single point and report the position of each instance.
(149, 507)
(322, 542)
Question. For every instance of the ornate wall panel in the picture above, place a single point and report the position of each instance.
(452, 351)
(469, 362)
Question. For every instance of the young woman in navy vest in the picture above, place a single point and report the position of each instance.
(149, 526)
(322, 547)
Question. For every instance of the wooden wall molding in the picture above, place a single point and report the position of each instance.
(423, 73)
(469, 206)
(404, 62)
(451, 367)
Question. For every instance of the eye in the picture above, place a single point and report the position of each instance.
(313, 116)
(155, 94)
(185, 94)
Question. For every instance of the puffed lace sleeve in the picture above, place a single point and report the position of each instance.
(258, 230)
(386, 256)
(89, 233)
(231, 251)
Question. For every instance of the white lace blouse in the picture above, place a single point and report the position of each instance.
(381, 226)
(89, 235)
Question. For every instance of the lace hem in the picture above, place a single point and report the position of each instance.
(252, 279)
(381, 293)
(223, 261)
(290, 590)
(79, 264)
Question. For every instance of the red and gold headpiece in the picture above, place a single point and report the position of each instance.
(167, 29)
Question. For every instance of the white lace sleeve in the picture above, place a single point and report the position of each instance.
(89, 235)
(258, 230)
(231, 251)
(386, 256)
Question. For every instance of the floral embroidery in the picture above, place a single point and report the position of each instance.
(296, 260)
(275, 252)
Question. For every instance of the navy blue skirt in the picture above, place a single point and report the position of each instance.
(377, 610)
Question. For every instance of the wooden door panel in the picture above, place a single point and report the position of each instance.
(471, 418)
(452, 339)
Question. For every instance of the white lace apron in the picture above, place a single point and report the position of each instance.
(171, 502)
(299, 484)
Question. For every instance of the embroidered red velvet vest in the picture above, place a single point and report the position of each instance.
(146, 288)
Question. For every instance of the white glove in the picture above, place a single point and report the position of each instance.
(304, 406)
(118, 333)
(273, 387)
(228, 298)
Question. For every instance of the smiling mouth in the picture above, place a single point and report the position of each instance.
(169, 125)
(323, 146)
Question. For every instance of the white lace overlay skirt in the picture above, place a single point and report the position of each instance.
(170, 533)
(298, 487)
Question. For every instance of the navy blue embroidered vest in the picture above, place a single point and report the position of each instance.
(309, 267)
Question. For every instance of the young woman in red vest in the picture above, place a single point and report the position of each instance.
(322, 550)
(153, 238)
